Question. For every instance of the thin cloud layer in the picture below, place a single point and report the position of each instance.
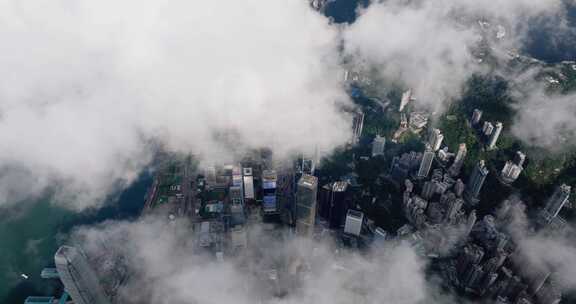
(166, 267)
(89, 86)
(429, 45)
(544, 251)
(545, 120)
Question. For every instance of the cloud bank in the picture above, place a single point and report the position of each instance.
(555, 127)
(89, 86)
(431, 46)
(166, 267)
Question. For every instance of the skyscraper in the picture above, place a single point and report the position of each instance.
(425, 164)
(78, 277)
(335, 199)
(269, 178)
(406, 97)
(378, 145)
(510, 172)
(357, 125)
(248, 183)
(488, 128)
(354, 221)
(459, 160)
(306, 204)
(557, 200)
(476, 116)
(436, 139)
(519, 158)
(475, 182)
(495, 135)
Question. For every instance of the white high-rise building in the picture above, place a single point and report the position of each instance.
(357, 126)
(78, 277)
(306, 192)
(378, 145)
(353, 223)
(510, 172)
(476, 116)
(558, 200)
(406, 97)
(495, 135)
(475, 182)
(487, 128)
(436, 139)
(425, 164)
(459, 160)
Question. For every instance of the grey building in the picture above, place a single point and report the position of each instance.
(459, 160)
(306, 204)
(354, 221)
(475, 182)
(378, 145)
(425, 164)
(495, 135)
(78, 277)
(558, 200)
(476, 116)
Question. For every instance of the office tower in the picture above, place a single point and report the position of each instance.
(380, 234)
(519, 158)
(425, 164)
(357, 125)
(248, 183)
(459, 160)
(472, 254)
(510, 172)
(473, 276)
(557, 200)
(487, 128)
(476, 116)
(378, 145)
(236, 195)
(306, 204)
(354, 221)
(78, 277)
(436, 139)
(269, 179)
(308, 166)
(335, 199)
(454, 207)
(459, 188)
(418, 120)
(428, 190)
(495, 135)
(549, 294)
(406, 97)
(489, 279)
(470, 221)
(475, 182)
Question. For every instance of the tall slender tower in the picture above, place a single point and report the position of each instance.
(495, 135)
(425, 164)
(306, 204)
(436, 139)
(458, 160)
(476, 182)
(558, 200)
(476, 116)
(378, 145)
(78, 277)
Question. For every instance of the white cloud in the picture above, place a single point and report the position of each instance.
(427, 45)
(87, 84)
(166, 267)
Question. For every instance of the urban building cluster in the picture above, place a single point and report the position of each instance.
(438, 202)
